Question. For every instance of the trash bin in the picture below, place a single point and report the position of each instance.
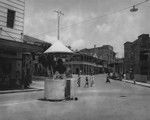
(70, 89)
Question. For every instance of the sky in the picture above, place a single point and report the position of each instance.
(86, 23)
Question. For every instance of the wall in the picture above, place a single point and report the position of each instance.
(127, 56)
(140, 78)
(105, 53)
(137, 57)
(19, 7)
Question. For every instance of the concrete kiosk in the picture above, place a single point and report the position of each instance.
(59, 89)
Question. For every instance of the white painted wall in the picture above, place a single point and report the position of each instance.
(19, 7)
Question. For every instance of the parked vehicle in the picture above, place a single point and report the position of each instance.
(115, 76)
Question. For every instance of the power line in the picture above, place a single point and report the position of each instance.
(105, 15)
(65, 28)
(141, 2)
(91, 19)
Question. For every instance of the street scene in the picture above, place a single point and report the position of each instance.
(114, 101)
(74, 59)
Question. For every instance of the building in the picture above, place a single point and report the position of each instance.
(87, 64)
(37, 67)
(12, 19)
(104, 53)
(119, 65)
(136, 58)
(15, 53)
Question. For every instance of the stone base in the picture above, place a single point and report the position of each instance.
(55, 89)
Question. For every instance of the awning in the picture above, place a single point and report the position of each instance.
(19, 46)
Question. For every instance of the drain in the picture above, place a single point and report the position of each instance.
(123, 96)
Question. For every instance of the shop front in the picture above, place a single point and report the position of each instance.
(16, 64)
(6, 73)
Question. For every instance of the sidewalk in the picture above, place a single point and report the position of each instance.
(35, 86)
(22, 90)
(137, 83)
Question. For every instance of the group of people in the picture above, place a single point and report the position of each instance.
(89, 81)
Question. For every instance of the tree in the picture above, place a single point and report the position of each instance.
(48, 62)
(60, 67)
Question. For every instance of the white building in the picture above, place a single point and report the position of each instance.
(12, 19)
(15, 57)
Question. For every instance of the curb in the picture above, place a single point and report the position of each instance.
(19, 91)
(137, 83)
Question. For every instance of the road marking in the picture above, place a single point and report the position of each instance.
(11, 103)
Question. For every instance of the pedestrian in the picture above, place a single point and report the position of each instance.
(107, 78)
(120, 76)
(92, 80)
(132, 77)
(86, 82)
(134, 81)
(79, 80)
(124, 76)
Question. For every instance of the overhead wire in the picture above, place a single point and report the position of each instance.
(64, 28)
(94, 18)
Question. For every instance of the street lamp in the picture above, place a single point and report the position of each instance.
(134, 9)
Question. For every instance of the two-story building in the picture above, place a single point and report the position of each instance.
(85, 63)
(104, 53)
(15, 53)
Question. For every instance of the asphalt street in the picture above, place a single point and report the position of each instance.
(115, 101)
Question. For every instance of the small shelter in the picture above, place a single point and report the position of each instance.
(56, 89)
(58, 47)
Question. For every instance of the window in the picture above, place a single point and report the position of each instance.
(10, 18)
(143, 55)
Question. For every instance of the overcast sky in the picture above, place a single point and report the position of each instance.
(84, 24)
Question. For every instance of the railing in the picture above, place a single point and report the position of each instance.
(84, 63)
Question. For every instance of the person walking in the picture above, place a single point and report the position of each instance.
(86, 82)
(132, 76)
(120, 76)
(79, 80)
(107, 78)
(92, 80)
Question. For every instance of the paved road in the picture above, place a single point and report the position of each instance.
(115, 101)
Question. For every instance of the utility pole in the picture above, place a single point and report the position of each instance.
(59, 13)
